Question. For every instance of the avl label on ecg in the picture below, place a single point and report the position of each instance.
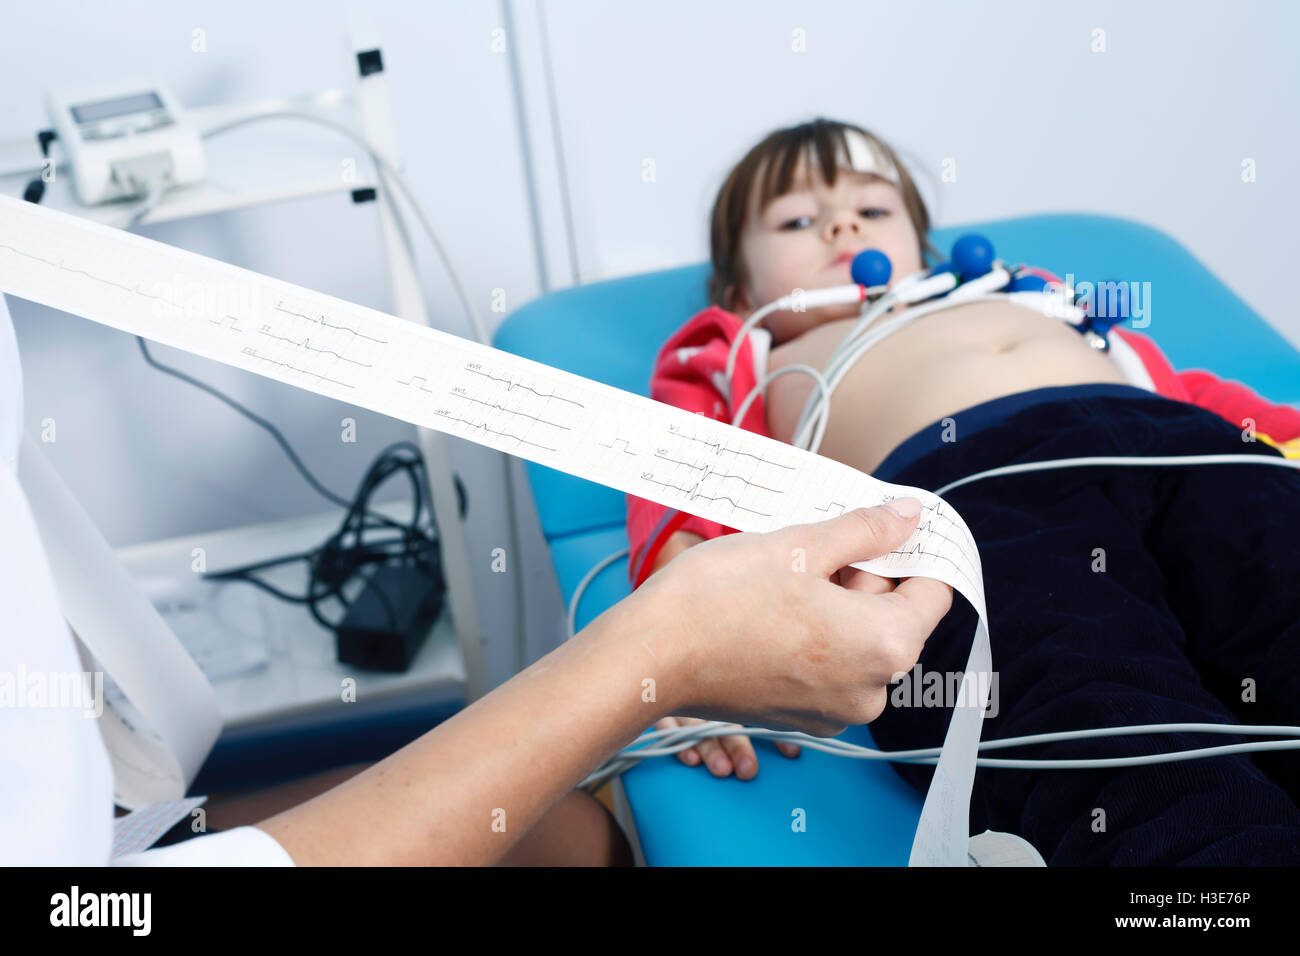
(517, 406)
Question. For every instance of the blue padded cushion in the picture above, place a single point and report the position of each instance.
(857, 812)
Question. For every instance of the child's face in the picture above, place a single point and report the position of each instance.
(807, 238)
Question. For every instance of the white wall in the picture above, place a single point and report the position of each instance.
(1155, 128)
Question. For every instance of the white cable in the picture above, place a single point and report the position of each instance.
(745, 328)
(154, 188)
(803, 300)
(913, 288)
(761, 388)
(599, 566)
(815, 298)
(1220, 459)
(388, 172)
(816, 412)
(385, 169)
(917, 286)
(853, 346)
(610, 559)
(673, 741)
(842, 360)
(146, 206)
(858, 341)
(740, 414)
(974, 290)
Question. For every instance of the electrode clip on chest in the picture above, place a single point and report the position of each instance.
(972, 274)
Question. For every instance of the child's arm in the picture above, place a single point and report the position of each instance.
(1241, 405)
(1274, 422)
(689, 373)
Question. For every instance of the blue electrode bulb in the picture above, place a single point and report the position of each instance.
(972, 255)
(1027, 283)
(945, 266)
(870, 268)
(1110, 298)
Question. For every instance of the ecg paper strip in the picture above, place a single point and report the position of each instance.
(140, 829)
(521, 407)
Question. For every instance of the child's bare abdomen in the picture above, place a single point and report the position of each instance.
(938, 365)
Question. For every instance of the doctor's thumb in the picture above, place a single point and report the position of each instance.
(905, 508)
(866, 533)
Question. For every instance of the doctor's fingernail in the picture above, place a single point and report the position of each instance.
(904, 507)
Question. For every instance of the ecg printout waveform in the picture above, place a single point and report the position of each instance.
(701, 468)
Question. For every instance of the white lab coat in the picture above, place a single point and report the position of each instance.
(56, 782)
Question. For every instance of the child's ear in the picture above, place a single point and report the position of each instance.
(736, 299)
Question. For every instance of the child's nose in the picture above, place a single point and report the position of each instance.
(845, 223)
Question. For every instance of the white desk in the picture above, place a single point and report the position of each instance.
(301, 677)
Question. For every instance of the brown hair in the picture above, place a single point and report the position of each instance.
(775, 159)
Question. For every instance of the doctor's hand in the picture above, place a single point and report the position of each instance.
(770, 629)
(775, 629)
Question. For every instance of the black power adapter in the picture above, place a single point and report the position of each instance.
(385, 626)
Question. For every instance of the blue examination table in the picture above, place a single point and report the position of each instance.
(855, 812)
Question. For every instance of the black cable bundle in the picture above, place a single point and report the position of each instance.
(347, 552)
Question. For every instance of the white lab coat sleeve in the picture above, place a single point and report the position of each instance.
(56, 780)
(56, 783)
(56, 788)
(242, 846)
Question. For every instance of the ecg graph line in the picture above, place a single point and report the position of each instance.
(249, 350)
(511, 384)
(321, 321)
(446, 414)
(692, 494)
(627, 446)
(89, 275)
(718, 449)
(926, 529)
(709, 473)
(412, 380)
(470, 398)
(306, 344)
(919, 549)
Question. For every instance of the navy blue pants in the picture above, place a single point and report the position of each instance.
(1195, 618)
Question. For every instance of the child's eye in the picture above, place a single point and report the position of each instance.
(799, 222)
(874, 212)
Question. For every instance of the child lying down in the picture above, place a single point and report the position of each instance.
(1115, 595)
